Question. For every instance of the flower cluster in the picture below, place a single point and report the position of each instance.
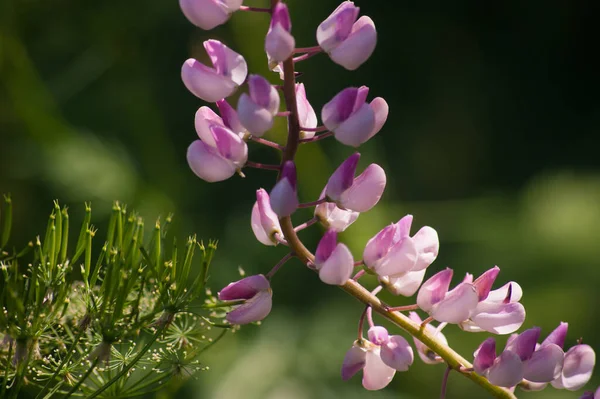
(398, 258)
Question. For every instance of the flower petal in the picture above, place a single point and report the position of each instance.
(207, 163)
(366, 190)
(507, 370)
(434, 289)
(545, 365)
(457, 305)
(338, 268)
(358, 47)
(397, 353)
(376, 374)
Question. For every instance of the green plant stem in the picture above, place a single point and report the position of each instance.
(453, 359)
(128, 367)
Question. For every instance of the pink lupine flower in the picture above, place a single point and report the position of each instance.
(335, 218)
(218, 154)
(212, 84)
(393, 254)
(446, 306)
(207, 14)
(264, 222)
(348, 42)
(206, 119)
(499, 311)
(406, 284)
(578, 366)
(357, 194)
(230, 118)
(279, 43)
(379, 358)
(351, 119)
(256, 291)
(333, 260)
(284, 197)
(306, 113)
(257, 109)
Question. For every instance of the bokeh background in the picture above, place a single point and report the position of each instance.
(492, 139)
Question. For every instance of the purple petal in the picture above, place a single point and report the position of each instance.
(358, 47)
(355, 130)
(205, 14)
(226, 61)
(557, 336)
(376, 374)
(339, 108)
(380, 110)
(281, 16)
(366, 190)
(353, 361)
(397, 353)
(484, 283)
(524, 344)
(378, 335)
(257, 228)
(230, 145)
(203, 120)
(337, 26)
(507, 370)
(378, 247)
(230, 117)
(208, 164)
(545, 365)
(338, 268)
(434, 289)
(256, 119)
(577, 369)
(205, 82)
(400, 259)
(343, 177)
(279, 44)
(326, 246)
(263, 93)
(332, 217)
(485, 356)
(428, 245)
(245, 288)
(254, 309)
(284, 198)
(499, 318)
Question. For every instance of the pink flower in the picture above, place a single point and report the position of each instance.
(335, 218)
(219, 153)
(306, 113)
(348, 42)
(399, 258)
(279, 43)
(578, 366)
(256, 291)
(207, 14)
(333, 260)
(264, 222)
(212, 84)
(284, 197)
(379, 358)
(351, 119)
(357, 194)
(257, 109)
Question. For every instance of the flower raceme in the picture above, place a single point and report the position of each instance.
(257, 294)
(348, 41)
(207, 14)
(351, 119)
(398, 259)
(212, 84)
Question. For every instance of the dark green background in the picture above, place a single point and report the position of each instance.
(492, 139)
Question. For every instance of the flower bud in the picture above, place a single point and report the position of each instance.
(256, 291)
(333, 260)
(257, 109)
(348, 42)
(378, 335)
(279, 43)
(335, 218)
(306, 113)
(212, 84)
(264, 221)
(351, 119)
(218, 156)
(284, 197)
(357, 194)
(207, 14)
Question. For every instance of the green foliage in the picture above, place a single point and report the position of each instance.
(117, 323)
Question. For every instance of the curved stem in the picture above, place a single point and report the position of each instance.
(279, 264)
(312, 203)
(317, 138)
(255, 9)
(258, 165)
(268, 143)
(353, 288)
(306, 224)
(83, 378)
(361, 322)
(445, 382)
(313, 49)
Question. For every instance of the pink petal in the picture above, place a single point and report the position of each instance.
(427, 355)
(230, 145)
(207, 163)
(397, 353)
(499, 318)
(343, 177)
(284, 198)
(338, 268)
(340, 108)
(378, 335)
(306, 113)
(254, 309)
(499, 295)
(355, 130)
(279, 44)
(557, 336)
(484, 283)
(577, 369)
(205, 14)
(230, 118)
(337, 26)
(226, 61)
(256, 119)
(203, 120)
(545, 365)
(263, 93)
(366, 190)
(205, 82)
(400, 259)
(428, 245)
(406, 284)
(485, 356)
(335, 218)
(376, 374)
(358, 47)
(381, 110)
(378, 247)
(257, 228)
(326, 246)
(245, 288)
(525, 343)
(268, 218)
(457, 305)
(434, 289)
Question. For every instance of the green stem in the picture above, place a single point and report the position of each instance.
(353, 288)
(82, 379)
(128, 367)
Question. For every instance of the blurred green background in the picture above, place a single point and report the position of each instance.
(492, 139)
